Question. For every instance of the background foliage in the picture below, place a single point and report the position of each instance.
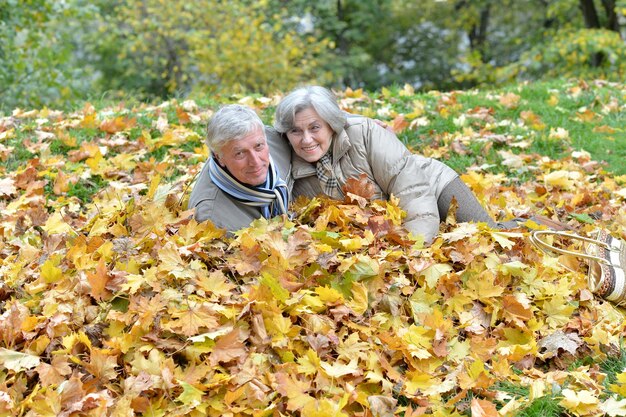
(57, 53)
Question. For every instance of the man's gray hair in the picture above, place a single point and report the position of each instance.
(320, 99)
(231, 122)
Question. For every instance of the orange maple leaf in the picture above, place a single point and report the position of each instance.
(483, 408)
(98, 280)
(359, 187)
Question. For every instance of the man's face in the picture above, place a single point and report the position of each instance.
(247, 159)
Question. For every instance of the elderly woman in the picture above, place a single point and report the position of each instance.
(329, 147)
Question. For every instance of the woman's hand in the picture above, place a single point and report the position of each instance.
(383, 124)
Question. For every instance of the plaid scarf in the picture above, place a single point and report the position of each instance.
(272, 197)
(324, 171)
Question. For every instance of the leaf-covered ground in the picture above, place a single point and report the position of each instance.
(115, 302)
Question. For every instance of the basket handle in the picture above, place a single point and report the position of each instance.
(541, 244)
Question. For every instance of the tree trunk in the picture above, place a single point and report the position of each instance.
(342, 42)
(478, 34)
(611, 16)
(548, 22)
(592, 22)
(590, 14)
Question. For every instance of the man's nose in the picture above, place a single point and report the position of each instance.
(255, 159)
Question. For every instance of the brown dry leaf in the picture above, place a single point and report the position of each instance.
(102, 364)
(587, 115)
(229, 347)
(382, 406)
(117, 124)
(532, 120)
(98, 280)
(55, 372)
(295, 390)
(510, 100)
(361, 187)
(517, 310)
(604, 129)
(61, 183)
(483, 408)
(188, 322)
(399, 124)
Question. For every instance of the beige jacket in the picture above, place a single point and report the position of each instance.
(225, 212)
(365, 147)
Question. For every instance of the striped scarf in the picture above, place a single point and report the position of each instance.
(272, 197)
(324, 171)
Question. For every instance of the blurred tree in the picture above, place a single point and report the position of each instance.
(42, 59)
(55, 52)
(162, 47)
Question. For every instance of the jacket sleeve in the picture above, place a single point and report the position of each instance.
(399, 172)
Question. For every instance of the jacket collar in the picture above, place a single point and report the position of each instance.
(301, 168)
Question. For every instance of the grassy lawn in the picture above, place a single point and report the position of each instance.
(114, 301)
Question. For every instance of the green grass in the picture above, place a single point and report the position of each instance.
(85, 189)
(547, 406)
(612, 366)
(556, 103)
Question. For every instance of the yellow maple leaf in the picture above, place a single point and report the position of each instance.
(309, 363)
(433, 273)
(50, 272)
(295, 391)
(329, 295)
(56, 224)
(580, 402)
(338, 369)
(190, 320)
(191, 395)
(614, 407)
(558, 311)
(359, 301)
(561, 179)
(215, 283)
(17, 361)
(503, 238)
(323, 408)
(418, 339)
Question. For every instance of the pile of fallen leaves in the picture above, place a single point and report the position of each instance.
(124, 305)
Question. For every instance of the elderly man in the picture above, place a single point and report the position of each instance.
(241, 180)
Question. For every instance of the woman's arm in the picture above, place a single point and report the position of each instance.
(397, 171)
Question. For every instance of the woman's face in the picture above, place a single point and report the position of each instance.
(310, 136)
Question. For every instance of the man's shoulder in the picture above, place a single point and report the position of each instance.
(280, 151)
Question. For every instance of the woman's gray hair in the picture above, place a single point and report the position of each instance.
(231, 122)
(320, 99)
